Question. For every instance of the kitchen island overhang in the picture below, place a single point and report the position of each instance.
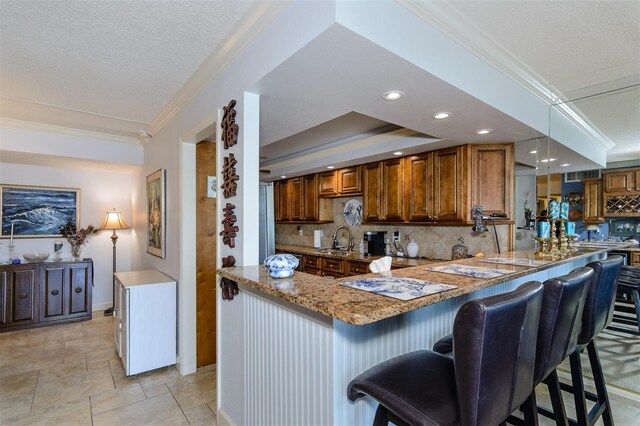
(304, 338)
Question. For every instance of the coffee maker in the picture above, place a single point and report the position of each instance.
(374, 241)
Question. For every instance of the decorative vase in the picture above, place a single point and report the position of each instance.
(76, 251)
(412, 249)
(459, 251)
(281, 265)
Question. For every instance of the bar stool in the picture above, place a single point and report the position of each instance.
(560, 321)
(598, 312)
(628, 286)
(490, 376)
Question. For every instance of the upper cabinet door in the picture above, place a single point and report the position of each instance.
(350, 181)
(449, 185)
(372, 197)
(592, 201)
(620, 181)
(393, 190)
(296, 198)
(419, 187)
(281, 200)
(310, 197)
(492, 181)
(328, 184)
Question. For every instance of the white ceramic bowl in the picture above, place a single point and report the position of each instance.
(281, 265)
(35, 257)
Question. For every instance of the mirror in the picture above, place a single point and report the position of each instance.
(615, 114)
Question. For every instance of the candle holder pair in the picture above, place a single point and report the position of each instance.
(555, 246)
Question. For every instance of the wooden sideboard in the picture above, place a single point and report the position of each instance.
(44, 293)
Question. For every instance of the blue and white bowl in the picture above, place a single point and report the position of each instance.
(281, 265)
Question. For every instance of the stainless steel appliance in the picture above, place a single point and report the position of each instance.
(374, 242)
(267, 237)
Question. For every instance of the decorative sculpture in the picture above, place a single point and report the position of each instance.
(228, 286)
(229, 176)
(229, 230)
(229, 127)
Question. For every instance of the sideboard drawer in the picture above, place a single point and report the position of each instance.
(333, 265)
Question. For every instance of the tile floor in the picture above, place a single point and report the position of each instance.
(70, 375)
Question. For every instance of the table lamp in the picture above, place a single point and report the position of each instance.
(113, 222)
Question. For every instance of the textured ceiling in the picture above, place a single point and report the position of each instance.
(573, 44)
(125, 59)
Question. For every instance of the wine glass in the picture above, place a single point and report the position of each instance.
(57, 248)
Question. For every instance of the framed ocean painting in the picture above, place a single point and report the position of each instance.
(37, 211)
(156, 213)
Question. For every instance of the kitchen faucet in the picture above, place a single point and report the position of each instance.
(334, 239)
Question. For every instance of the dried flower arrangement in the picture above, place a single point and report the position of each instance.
(77, 237)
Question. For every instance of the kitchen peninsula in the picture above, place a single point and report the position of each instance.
(304, 338)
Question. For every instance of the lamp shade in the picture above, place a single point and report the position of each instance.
(114, 221)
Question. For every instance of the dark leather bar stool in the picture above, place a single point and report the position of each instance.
(598, 312)
(560, 321)
(489, 377)
(628, 286)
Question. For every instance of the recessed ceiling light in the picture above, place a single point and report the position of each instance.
(397, 153)
(546, 160)
(441, 115)
(392, 95)
(331, 167)
(552, 159)
(282, 177)
(484, 131)
(533, 152)
(565, 165)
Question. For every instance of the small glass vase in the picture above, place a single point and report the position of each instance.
(76, 252)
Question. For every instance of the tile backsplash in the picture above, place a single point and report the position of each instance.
(435, 241)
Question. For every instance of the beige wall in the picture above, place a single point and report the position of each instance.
(435, 241)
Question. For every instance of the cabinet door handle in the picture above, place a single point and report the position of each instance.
(78, 290)
(23, 295)
(54, 293)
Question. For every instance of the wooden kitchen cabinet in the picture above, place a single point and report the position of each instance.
(310, 202)
(328, 184)
(372, 196)
(492, 178)
(449, 190)
(418, 189)
(621, 181)
(281, 200)
(384, 191)
(35, 294)
(393, 190)
(355, 267)
(350, 181)
(635, 258)
(592, 201)
(296, 199)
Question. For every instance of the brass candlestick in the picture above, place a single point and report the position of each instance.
(542, 246)
(553, 240)
(562, 239)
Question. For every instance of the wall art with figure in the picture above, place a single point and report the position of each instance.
(38, 211)
(156, 213)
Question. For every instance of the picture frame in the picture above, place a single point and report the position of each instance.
(37, 211)
(156, 207)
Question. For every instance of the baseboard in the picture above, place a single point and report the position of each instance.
(101, 306)
(223, 419)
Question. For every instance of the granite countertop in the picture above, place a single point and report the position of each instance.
(326, 296)
(355, 256)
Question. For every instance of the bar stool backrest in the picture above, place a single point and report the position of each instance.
(598, 308)
(494, 353)
(560, 319)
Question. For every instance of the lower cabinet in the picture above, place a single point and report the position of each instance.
(337, 268)
(145, 320)
(36, 294)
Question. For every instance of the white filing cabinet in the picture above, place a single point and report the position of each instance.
(145, 320)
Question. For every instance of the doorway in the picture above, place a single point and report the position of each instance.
(206, 238)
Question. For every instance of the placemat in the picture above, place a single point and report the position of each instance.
(399, 287)
(470, 271)
(517, 262)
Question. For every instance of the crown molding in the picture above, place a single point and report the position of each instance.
(258, 17)
(66, 131)
(444, 17)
